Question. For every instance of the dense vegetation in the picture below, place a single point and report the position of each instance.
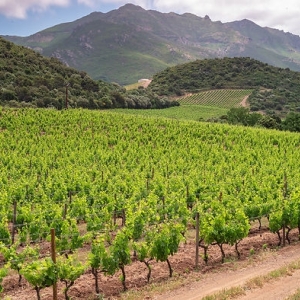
(276, 90)
(61, 168)
(242, 116)
(27, 79)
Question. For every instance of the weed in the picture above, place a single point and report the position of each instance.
(233, 292)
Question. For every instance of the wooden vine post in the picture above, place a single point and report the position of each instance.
(70, 197)
(285, 193)
(123, 217)
(14, 223)
(53, 256)
(197, 240)
(65, 211)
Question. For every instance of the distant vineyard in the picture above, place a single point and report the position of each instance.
(221, 98)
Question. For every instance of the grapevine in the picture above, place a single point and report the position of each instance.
(41, 274)
(124, 183)
(69, 269)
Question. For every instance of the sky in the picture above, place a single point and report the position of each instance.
(26, 17)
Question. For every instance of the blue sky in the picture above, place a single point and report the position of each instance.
(25, 17)
(35, 19)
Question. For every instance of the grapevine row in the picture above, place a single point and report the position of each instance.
(68, 169)
(220, 98)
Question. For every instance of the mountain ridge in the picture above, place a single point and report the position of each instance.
(129, 43)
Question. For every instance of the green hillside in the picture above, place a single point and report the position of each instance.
(30, 80)
(130, 43)
(276, 90)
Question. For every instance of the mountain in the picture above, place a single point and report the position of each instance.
(131, 43)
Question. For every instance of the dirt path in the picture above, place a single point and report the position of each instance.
(276, 290)
(212, 283)
(146, 82)
(244, 102)
(187, 283)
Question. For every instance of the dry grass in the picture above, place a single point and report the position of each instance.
(295, 296)
(231, 293)
(258, 282)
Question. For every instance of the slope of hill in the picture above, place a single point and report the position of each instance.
(30, 80)
(27, 79)
(275, 89)
(130, 43)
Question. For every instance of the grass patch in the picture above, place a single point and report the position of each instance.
(171, 284)
(183, 112)
(259, 281)
(133, 86)
(233, 292)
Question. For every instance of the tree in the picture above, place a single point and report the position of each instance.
(8, 95)
(238, 115)
(292, 122)
(270, 122)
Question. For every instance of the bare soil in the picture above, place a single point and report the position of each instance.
(244, 102)
(278, 290)
(259, 255)
(241, 272)
(145, 82)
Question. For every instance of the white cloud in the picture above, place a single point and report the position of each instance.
(19, 9)
(90, 3)
(147, 4)
(272, 13)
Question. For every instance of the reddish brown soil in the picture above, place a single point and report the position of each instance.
(191, 283)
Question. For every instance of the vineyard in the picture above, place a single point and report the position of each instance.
(200, 106)
(182, 112)
(123, 188)
(226, 98)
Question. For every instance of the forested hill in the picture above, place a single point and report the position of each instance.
(27, 79)
(275, 89)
